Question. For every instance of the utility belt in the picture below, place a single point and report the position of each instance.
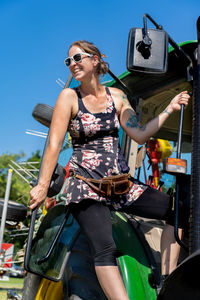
(108, 186)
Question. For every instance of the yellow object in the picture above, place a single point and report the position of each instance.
(50, 290)
(165, 148)
(69, 136)
(44, 210)
(156, 179)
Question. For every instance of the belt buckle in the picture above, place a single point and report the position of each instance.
(107, 186)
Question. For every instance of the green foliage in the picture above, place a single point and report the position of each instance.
(19, 188)
(35, 156)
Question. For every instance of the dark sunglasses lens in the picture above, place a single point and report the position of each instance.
(68, 62)
(77, 57)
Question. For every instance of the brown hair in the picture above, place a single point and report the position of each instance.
(90, 48)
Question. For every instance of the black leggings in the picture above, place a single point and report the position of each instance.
(94, 219)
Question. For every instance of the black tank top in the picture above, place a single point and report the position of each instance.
(96, 152)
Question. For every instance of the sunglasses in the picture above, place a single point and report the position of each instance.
(76, 58)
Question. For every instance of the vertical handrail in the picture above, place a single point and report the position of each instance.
(178, 155)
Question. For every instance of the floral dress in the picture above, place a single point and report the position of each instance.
(96, 154)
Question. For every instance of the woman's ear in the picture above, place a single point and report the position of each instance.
(96, 60)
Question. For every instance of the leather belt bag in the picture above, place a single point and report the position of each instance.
(109, 186)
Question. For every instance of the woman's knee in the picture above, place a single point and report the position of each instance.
(106, 256)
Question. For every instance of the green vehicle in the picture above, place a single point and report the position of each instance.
(58, 258)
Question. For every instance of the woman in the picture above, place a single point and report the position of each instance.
(93, 114)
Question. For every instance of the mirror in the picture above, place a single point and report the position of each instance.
(147, 50)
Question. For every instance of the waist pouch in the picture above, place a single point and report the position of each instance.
(109, 186)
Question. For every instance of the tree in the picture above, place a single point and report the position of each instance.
(19, 188)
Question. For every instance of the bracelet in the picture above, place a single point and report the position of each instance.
(166, 111)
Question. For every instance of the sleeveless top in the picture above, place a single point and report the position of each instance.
(96, 154)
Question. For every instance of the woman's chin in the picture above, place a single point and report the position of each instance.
(77, 77)
(77, 74)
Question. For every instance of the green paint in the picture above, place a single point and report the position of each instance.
(133, 261)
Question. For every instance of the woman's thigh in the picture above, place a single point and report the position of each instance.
(151, 204)
(94, 219)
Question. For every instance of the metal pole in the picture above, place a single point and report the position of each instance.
(5, 206)
(178, 155)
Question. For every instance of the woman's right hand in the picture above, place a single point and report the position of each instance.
(37, 195)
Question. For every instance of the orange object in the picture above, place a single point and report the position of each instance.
(175, 165)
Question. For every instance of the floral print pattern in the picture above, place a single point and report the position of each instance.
(90, 123)
(96, 154)
(90, 159)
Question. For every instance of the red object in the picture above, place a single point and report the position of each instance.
(67, 170)
(153, 150)
(7, 254)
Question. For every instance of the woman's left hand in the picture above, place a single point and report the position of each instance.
(175, 104)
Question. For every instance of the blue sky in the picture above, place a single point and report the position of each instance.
(35, 35)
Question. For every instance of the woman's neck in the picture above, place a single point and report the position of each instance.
(92, 87)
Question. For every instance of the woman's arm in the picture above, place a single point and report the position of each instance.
(60, 120)
(141, 134)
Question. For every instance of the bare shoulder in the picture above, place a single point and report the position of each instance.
(67, 102)
(66, 98)
(119, 98)
(67, 95)
(115, 91)
(118, 94)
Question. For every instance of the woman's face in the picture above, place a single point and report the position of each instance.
(86, 65)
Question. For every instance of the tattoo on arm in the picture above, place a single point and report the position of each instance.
(132, 120)
(133, 123)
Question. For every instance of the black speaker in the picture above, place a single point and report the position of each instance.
(148, 52)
